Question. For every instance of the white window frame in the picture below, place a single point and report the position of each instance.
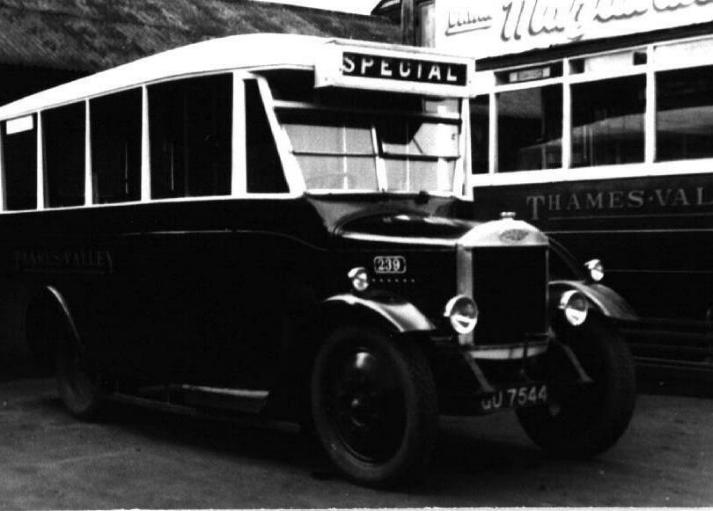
(3, 180)
(649, 167)
(238, 180)
(41, 174)
(88, 182)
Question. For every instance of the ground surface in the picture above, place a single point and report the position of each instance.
(141, 458)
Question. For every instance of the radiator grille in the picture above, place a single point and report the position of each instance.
(510, 287)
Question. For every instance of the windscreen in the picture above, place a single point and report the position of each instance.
(368, 141)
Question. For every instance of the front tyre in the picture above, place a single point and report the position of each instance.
(77, 386)
(374, 405)
(583, 421)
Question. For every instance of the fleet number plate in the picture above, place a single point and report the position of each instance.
(514, 397)
(390, 264)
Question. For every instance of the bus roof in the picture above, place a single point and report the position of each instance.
(246, 51)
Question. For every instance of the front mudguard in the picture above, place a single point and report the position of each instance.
(396, 314)
(607, 310)
(607, 302)
(393, 315)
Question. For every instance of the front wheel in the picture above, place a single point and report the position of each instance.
(374, 405)
(585, 420)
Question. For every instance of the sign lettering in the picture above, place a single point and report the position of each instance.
(395, 68)
(465, 19)
(541, 206)
(574, 17)
(498, 27)
(69, 260)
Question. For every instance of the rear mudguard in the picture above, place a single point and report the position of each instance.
(400, 315)
(48, 304)
(604, 299)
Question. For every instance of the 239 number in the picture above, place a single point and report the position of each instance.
(390, 264)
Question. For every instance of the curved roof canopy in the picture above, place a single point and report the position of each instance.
(250, 52)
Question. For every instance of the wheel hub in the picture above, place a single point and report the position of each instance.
(368, 405)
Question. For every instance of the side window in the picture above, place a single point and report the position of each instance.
(608, 121)
(530, 128)
(684, 113)
(425, 24)
(20, 158)
(264, 172)
(63, 133)
(480, 133)
(116, 147)
(190, 132)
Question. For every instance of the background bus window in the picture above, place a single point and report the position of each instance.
(479, 133)
(684, 114)
(116, 147)
(190, 134)
(530, 129)
(64, 136)
(20, 163)
(426, 24)
(264, 172)
(608, 121)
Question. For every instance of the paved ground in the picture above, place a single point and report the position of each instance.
(141, 458)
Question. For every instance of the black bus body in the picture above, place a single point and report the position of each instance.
(207, 230)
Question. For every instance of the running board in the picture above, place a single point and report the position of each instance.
(184, 398)
(244, 400)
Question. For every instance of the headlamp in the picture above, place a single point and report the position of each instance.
(595, 269)
(462, 311)
(574, 306)
(359, 278)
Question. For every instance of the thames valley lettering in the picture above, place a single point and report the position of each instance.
(69, 260)
(617, 200)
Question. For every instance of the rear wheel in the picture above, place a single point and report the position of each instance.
(585, 420)
(77, 385)
(374, 405)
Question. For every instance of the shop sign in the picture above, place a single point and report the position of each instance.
(482, 28)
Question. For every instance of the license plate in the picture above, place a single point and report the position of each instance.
(532, 394)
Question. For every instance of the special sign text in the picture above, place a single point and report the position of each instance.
(403, 69)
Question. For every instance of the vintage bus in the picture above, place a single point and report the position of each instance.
(607, 146)
(274, 224)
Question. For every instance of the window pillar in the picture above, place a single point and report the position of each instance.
(145, 147)
(40, 164)
(3, 187)
(650, 112)
(566, 117)
(239, 162)
(493, 134)
(88, 184)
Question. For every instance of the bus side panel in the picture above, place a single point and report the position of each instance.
(195, 291)
(654, 234)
